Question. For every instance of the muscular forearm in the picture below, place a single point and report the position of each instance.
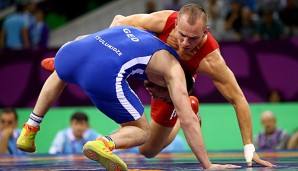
(244, 119)
(51, 90)
(195, 140)
(188, 120)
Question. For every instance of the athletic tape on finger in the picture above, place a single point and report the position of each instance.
(249, 150)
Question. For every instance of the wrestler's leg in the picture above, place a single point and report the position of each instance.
(125, 137)
(156, 141)
(173, 134)
(51, 90)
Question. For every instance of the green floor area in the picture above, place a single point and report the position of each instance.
(219, 123)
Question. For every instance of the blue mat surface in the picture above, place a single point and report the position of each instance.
(167, 162)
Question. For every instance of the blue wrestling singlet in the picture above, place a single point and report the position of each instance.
(100, 64)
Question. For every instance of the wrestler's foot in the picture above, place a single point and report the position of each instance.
(25, 141)
(100, 150)
(48, 64)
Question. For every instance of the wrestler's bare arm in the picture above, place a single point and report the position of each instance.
(215, 67)
(154, 22)
(175, 81)
(174, 78)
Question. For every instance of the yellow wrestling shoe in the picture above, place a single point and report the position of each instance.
(100, 150)
(25, 141)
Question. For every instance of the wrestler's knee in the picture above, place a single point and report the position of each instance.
(147, 152)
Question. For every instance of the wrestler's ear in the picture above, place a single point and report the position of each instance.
(206, 30)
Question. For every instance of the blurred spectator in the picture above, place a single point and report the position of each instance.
(71, 140)
(269, 27)
(275, 96)
(9, 132)
(30, 8)
(14, 33)
(289, 16)
(39, 31)
(216, 11)
(271, 138)
(272, 5)
(5, 3)
(233, 21)
(248, 26)
(251, 4)
(293, 142)
(173, 5)
(150, 6)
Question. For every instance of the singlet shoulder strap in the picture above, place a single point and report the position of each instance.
(170, 24)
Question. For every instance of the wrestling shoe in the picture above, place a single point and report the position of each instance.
(194, 104)
(100, 150)
(48, 64)
(195, 107)
(25, 141)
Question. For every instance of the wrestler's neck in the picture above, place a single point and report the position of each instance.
(184, 55)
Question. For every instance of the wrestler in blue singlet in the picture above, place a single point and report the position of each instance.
(100, 64)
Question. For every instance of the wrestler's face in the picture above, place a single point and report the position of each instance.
(189, 36)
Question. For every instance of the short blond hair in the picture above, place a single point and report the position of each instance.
(194, 13)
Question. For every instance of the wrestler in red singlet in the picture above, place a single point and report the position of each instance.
(162, 112)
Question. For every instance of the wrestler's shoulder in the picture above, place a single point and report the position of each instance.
(163, 13)
(211, 41)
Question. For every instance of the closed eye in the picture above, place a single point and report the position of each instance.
(182, 34)
(191, 38)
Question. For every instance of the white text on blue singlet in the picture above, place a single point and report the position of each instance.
(103, 42)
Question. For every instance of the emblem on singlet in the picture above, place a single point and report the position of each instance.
(130, 35)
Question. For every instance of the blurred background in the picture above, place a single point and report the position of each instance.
(258, 40)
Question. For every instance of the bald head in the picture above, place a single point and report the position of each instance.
(267, 115)
(193, 12)
(269, 122)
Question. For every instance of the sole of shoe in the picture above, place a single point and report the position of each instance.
(103, 159)
(23, 148)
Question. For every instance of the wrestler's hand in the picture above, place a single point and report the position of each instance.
(250, 154)
(259, 161)
(223, 166)
(158, 92)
